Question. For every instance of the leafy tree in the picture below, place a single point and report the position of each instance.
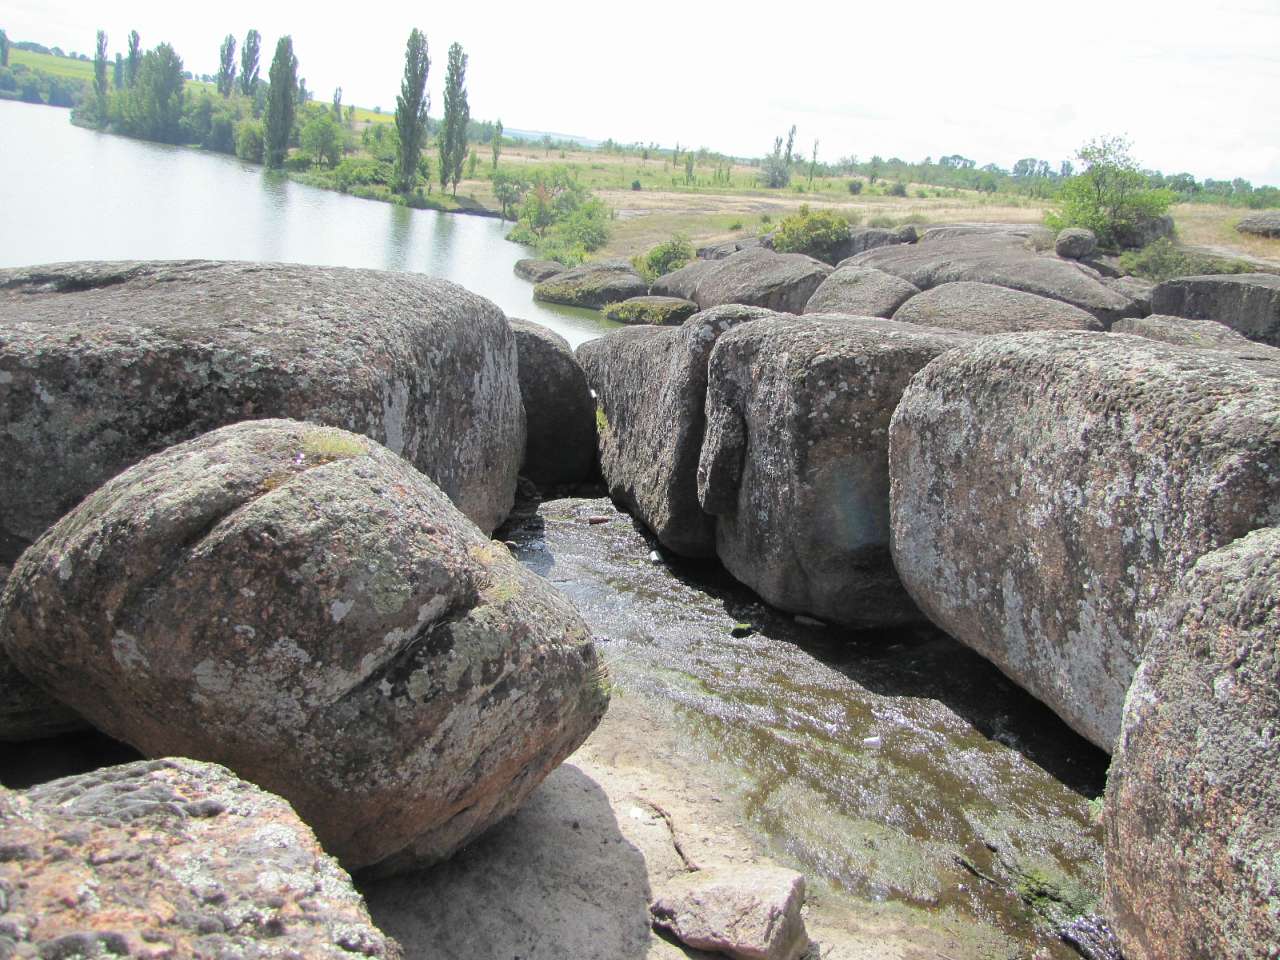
(411, 109)
(337, 104)
(226, 79)
(249, 62)
(1111, 196)
(4, 49)
(152, 107)
(283, 79)
(134, 61)
(304, 95)
(775, 170)
(453, 133)
(250, 141)
(117, 74)
(508, 191)
(322, 137)
(100, 74)
(497, 142)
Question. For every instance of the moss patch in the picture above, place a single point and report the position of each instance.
(326, 444)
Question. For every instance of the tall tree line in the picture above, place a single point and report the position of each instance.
(453, 131)
(411, 110)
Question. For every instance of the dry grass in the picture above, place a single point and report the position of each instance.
(1213, 228)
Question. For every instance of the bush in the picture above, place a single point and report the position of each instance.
(1164, 260)
(667, 256)
(250, 144)
(736, 225)
(897, 189)
(855, 187)
(1111, 196)
(817, 233)
(635, 185)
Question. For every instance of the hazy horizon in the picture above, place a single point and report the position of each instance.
(996, 83)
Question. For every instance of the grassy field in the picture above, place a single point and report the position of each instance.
(54, 66)
(1214, 229)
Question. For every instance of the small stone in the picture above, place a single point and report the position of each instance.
(655, 557)
(872, 743)
(597, 520)
(742, 630)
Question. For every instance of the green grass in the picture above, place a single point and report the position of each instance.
(54, 66)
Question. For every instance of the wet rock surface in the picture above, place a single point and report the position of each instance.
(301, 605)
(1050, 489)
(1247, 302)
(102, 364)
(1193, 857)
(171, 858)
(971, 804)
(861, 291)
(559, 412)
(795, 463)
(985, 308)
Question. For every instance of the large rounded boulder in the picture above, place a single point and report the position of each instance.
(303, 606)
(172, 858)
(1247, 302)
(795, 464)
(1193, 800)
(561, 416)
(985, 308)
(592, 285)
(1050, 489)
(102, 364)
(861, 292)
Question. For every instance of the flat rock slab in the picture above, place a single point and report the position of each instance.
(1247, 302)
(652, 310)
(592, 285)
(985, 308)
(862, 292)
(1261, 224)
(102, 364)
(1000, 258)
(172, 858)
(1192, 803)
(795, 464)
(1050, 489)
(750, 913)
(560, 415)
(299, 604)
(1199, 334)
(651, 385)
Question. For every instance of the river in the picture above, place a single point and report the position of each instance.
(73, 194)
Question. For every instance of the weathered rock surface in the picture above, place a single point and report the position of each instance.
(1265, 224)
(592, 285)
(1248, 302)
(1136, 288)
(1193, 856)
(861, 291)
(1206, 334)
(102, 364)
(1075, 243)
(727, 248)
(1145, 231)
(1048, 490)
(866, 238)
(559, 411)
(753, 277)
(301, 605)
(172, 858)
(999, 258)
(652, 310)
(750, 913)
(536, 271)
(1020, 232)
(795, 464)
(985, 308)
(650, 385)
(907, 233)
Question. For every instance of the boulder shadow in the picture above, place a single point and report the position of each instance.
(31, 762)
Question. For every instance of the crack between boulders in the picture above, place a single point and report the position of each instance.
(689, 864)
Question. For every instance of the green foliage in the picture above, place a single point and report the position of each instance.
(100, 73)
(322, 136)
(152, 107)
(411, 110)
(775, 169)
(211, 121)
(496, 142)
(1111, 196)
(226, 78)
(897, 189)
(250, 141)
(249, 62)
(667, 256)
(508, 191)
(635, 185)
(283, 78)
(1164, 260)
(855, 187)
(133, 63)
(4, 49)
(453, 131)
(559, 218)
(816, 233)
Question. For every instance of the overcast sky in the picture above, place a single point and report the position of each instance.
(1195, 86)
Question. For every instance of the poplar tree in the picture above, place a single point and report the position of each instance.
(411, 109)
(453, 132)
(226, 79)
(134, 60)
(100, 75)
(283, 80)
(4, 49)
(497, 142)
(117, 74)
(249, 62)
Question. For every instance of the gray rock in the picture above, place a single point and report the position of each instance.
(1107, 264)
(795, 464)
(651, 385)
(759, 278)
(861, 291)
(866, 238)
(1135, 288)
(298, 603)
(1144, 231)
(1266, 224)
(1075, 243)
(984, 308)
(536, 271)
(748, 912)
(559, 411)
(102, 364)
(1049, 489)
(592, 285)
(1205, 334)
(727, 248)
(1192, 853)
(653, 310)
(172, 858)
(907, 234)
(1000, 259)
(1248, 302)
(683, 283)
(1019, 232)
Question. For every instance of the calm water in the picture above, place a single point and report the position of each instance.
(73, 194)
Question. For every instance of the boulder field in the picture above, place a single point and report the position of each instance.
(753, 277)
(1247, 302)
(301, 605)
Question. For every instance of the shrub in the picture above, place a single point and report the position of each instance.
(766, 218)
(897, 189)
(855, 187)
(667, 256)
(1111, 196)
(736, 225)
(250, 144)
(1164, 260)
(635, 185)
(817, 233)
